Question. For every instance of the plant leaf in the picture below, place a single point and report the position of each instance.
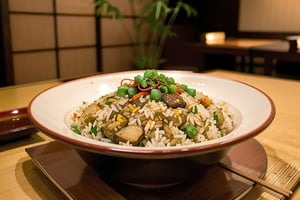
(110, 9)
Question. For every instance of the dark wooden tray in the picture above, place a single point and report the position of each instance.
(63, 166)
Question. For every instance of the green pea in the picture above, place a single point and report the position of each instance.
(155, 74)
(191, 131)
(138, 79)
(151, 82)
(184, 87)
(148, 74)
(191, 92)
(170, 80)
(132, 91)
(164, 89)
(155, 94)
(161, 77)
(172, 89)
(144, 84)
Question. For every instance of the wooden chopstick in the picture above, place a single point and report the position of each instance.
(283, 191)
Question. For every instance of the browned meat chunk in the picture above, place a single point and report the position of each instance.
(173, 100)
(114, 125)
(131, 133)
(110, 128)
(88, 115)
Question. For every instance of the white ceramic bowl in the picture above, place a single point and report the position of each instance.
(253, 110)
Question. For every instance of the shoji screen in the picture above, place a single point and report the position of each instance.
(52, 39)
(118, 37)
(269, 15)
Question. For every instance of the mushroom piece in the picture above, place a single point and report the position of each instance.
(88, 115)
(110, 128)
(114, 125)
(173, 100)
(131, 133)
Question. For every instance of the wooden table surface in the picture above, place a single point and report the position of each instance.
(243, 43)
(20, 179)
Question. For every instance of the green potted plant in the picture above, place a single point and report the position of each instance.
(158, 17)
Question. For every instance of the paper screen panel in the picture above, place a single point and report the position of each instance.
(31, 5)
(77, 62)
(75, 6)
(117, 59)
(269, 15)
(76, 31)
(30, 32)
(34, 66)
(116, 32)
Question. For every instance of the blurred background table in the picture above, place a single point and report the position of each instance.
(21, 179)
(273, 52)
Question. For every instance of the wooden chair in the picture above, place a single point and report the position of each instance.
(294, 43)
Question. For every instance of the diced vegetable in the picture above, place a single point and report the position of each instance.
(161, 77)
(164, 89)
(206, 101)
(109, 101)
(122, 91)
(184, 87)
(176, 112)
(75, 129)
(191, 92)
(172, 89)
(138, 79)
(154, 74)
(180, 90)
(219, 117)
(155, 94)
(148, 74)
(216, 118)
(132, 91)
(144, 84)
(194, 109)
(191, 131)
(152, 80)
(94, 130)
(170, 80)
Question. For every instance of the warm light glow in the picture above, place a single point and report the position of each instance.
(215, 37)
(298, 43)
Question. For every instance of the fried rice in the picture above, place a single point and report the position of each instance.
(152, 123)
